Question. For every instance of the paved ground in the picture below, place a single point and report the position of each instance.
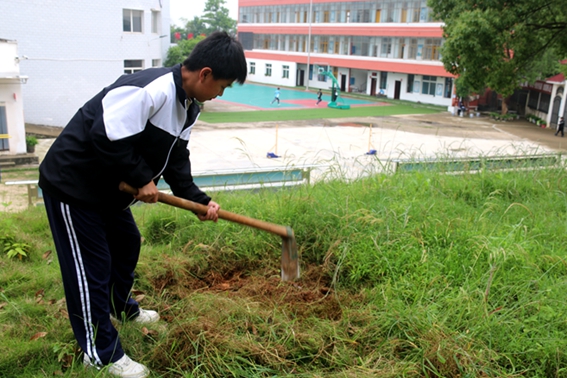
(341, 142)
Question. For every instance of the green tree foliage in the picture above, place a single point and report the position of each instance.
(177, 54)
(500, 43)
(216, 17)
(196, 26)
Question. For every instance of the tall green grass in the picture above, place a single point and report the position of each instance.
(417, 274)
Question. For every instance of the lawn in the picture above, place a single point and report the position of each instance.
(408, 275)
(394, 108)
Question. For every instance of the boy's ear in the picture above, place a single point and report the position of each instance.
(205, 71)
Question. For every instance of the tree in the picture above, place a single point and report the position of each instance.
(196, 26)
(216, 17)
(177, 54)
(501, 43)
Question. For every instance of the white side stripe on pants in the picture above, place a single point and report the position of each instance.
(83, 286)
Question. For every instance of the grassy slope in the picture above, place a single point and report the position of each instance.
(406, 275)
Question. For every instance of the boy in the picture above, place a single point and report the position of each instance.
(560, 127)
(135, 130)
(319, 96)
(276, 96)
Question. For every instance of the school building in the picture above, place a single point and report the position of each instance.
(380, 48)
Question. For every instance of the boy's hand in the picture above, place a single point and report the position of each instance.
(148, 193)
(212, 212)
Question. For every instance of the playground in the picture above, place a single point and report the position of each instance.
(259, 97)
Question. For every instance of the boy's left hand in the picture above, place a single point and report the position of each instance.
(212, 212)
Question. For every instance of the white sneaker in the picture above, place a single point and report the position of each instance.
(124, 367)
(146, 316)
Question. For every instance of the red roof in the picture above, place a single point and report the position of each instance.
(559, 78)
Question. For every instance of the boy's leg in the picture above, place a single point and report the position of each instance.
(124, 245)
(85, 262)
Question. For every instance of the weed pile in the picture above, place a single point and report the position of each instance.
(417, 274)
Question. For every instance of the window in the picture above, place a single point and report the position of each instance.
(326, 17)
(268, 69)
(132, 20)
(324, 45)
(416, 86)
(285, 74)
(402, 48)
(534, 100)
(252, 68)
(448, 87)
(3, 129)
(156, 62)
(386, 47)
(412, 53)
(415, 12)
(431, 51)
(155, 22)
(428, 86)
(544, 101)
(409, 88)
(131, 66)
(383, 80)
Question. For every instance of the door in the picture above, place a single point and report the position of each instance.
(555, 111)
(343, 83)
(4, 146)
(397, 90)
(301, 78)
(373, 87)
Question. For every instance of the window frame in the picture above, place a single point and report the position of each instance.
(128, 70)
(285, 72)
(131, 20)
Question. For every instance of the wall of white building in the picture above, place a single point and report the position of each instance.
(272, 72)
(416, 95)
(72, 49)
(359, 81)
(11, 98)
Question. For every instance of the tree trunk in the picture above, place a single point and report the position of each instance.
(504, 107)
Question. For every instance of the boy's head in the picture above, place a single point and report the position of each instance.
(223, 54)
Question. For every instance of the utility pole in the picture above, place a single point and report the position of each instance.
(309, 42)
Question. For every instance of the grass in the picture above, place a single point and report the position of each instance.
(395, 108)
(408, 275)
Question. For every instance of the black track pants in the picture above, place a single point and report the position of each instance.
(98, 252)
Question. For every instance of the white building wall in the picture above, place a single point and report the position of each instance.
(277, 68)
(72, 49)
(416, 96)
(11, 98)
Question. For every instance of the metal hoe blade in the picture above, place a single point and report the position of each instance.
(290, 260)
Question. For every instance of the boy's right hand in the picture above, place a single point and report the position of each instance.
(148, 193)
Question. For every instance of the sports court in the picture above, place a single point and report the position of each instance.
(257, 96)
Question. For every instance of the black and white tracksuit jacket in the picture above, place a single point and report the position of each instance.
(135, 130)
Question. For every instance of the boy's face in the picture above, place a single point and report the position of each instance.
(209, 87)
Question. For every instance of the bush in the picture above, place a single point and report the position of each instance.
(31, 140)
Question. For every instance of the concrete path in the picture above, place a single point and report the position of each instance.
(347, 141)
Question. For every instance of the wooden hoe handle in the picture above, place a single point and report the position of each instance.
(223, 214)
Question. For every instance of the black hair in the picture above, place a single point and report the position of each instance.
(222, 53)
